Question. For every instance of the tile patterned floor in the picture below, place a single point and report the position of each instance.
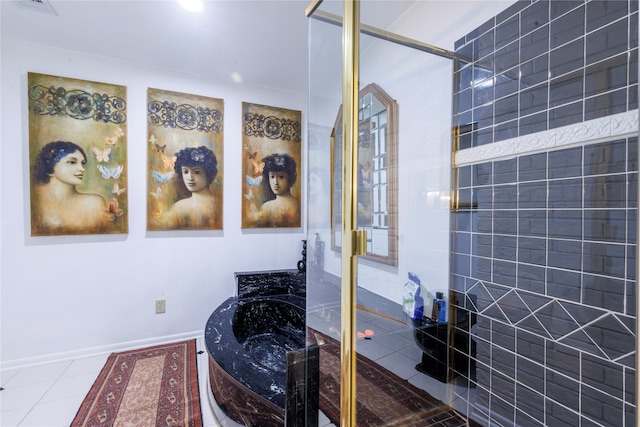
(49, 395)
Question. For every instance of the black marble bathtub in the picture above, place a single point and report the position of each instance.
(252, 284)
(257, 352)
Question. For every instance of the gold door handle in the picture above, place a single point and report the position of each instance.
(359, 242)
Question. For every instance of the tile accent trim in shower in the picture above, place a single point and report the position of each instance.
(589, 132)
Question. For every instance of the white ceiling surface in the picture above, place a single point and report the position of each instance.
(263, 42)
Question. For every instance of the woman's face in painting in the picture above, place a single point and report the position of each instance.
(70, 168)
(316, 186)
(279, 182)
(195, 178)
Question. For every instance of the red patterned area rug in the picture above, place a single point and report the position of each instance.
(153, 386)
(382, 398)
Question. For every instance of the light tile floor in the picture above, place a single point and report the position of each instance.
(49, 395)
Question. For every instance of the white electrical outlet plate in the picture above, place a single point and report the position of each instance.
(161, 306)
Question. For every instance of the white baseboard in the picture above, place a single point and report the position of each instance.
(96, 351)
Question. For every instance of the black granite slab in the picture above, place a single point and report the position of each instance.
(275, 282)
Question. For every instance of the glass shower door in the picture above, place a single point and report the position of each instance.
(403, 204)
(323, 264)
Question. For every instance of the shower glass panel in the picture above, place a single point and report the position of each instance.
(516, 198)
(389, 343)
(325, 98)
(413, 109)
(323, 265)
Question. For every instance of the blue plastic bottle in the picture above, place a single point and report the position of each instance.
(440, 308)
(418, 311)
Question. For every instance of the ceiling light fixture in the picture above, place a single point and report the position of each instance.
(37, 5)
(236, 77)
(192, 5)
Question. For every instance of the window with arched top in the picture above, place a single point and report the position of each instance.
(377, 175)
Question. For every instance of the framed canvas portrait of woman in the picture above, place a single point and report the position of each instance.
(271, 167)
(77, 156)
(185, 161)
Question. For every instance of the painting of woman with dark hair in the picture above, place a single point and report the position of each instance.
(195, 169)
(281, 208)
(185, 159)
(271, 145)
(58, 169)
(77, 156)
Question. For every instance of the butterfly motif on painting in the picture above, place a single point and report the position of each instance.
(116, 191)
(111, 140)
(162, 178)
(110, 172)
(157, 194)
(258, 167)
(252, 155)
(254, 182)
(114, 211)
(102, 155)
(168, 162)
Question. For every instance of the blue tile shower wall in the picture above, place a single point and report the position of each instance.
(544, 64)
(544, 245)
(544, 254)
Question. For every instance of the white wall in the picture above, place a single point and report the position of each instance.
(63, 296)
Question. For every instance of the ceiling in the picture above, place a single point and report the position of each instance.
(260, 42)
